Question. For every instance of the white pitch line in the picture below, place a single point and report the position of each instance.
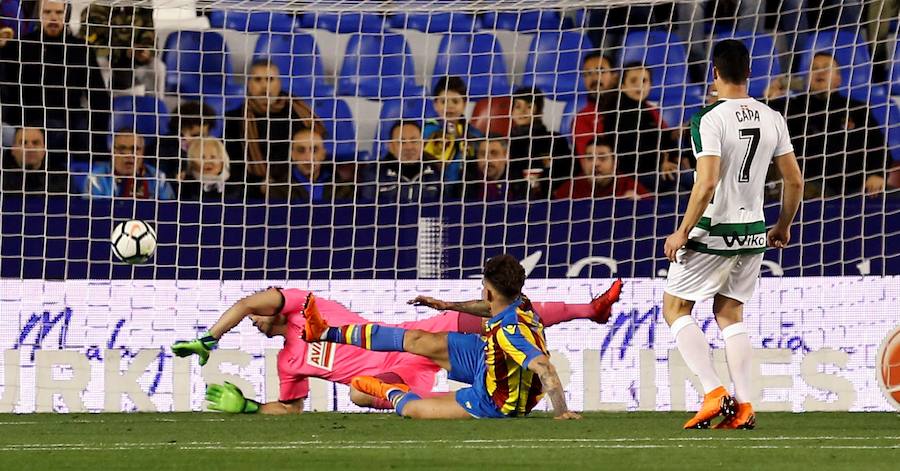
(497, 446)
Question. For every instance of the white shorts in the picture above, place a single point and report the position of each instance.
(700, 276)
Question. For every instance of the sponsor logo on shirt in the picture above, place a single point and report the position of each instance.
(320, 355)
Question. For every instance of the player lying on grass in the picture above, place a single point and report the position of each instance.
(279, 312)
(508, 368)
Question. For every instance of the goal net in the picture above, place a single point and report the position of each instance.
(310, 142)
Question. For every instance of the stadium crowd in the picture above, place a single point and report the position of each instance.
(57, 90)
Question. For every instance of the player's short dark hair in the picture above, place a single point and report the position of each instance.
(449, 83)
(732, 59)
(505, 274)
(532, 96)
(193, 113)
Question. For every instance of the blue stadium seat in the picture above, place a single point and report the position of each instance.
(554, 63)
(411, 109)
(298, 59)
(147, 115)
(852, 55)
(343, 23)
(477, 59)
(887, 113)
(252, 22)
(435, 22)
(335, 114)
(198, 64)
(530, 20)
(895, 69)
(378, 66)
(764, 63)
(678, 110)
(664, 54)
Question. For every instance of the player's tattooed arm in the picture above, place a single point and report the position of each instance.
(477, 307)
(552, 387)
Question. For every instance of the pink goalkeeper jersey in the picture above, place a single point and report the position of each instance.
(299, 360)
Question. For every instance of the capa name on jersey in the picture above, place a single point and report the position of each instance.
(745, 113)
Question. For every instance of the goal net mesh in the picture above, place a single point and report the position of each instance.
(414, 139)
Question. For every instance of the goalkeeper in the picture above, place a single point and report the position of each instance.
(279, 312)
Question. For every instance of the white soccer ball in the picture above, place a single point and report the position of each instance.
(133, 241)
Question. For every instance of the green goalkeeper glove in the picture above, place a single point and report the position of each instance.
(200, 347)
(229, 398)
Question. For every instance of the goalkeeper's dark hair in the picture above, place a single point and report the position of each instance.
(732, 59)
(505, 274)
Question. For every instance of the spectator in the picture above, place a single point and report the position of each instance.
(25, 168)
(542, 157)
(128, 176)
(310, 177)
(124, 41)
(405, 175)
(445, 138)
(207, 172)
(842, 147)
(487, 177)
(190, 121)
(642, 143)
(600, 81)
(598, 178)
(260, 131)
(45, 76)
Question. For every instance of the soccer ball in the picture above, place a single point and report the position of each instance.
(133, 241)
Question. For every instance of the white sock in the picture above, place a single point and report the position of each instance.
(695, 350)
(738, 351)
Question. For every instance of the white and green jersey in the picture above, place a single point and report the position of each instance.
(746, 134)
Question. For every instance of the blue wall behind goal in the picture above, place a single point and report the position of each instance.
(67, 238)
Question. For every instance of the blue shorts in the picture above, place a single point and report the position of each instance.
(467, 366)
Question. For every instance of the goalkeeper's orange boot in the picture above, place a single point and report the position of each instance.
(717, 402)
(315, 324)
(602, 305)
(376, 387)
(744, 419)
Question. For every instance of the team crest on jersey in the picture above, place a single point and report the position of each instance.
(320, 355)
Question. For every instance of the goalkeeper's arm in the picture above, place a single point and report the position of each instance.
(263, 303)
(229, 398)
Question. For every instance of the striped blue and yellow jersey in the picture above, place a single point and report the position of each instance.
(514, 338)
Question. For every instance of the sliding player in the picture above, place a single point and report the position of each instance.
(509, 369)
(717, 250)
(279, 312)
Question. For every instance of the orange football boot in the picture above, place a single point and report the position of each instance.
(602, 305)
(744, 419)
(376, 387)
(315, 324)
(717, 402)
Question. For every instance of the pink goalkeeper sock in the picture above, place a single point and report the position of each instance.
(556, 313)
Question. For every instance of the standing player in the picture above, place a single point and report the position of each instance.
(509, 369)
(279, 312)
(717, 250)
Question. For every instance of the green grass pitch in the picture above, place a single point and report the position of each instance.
(641, 440)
